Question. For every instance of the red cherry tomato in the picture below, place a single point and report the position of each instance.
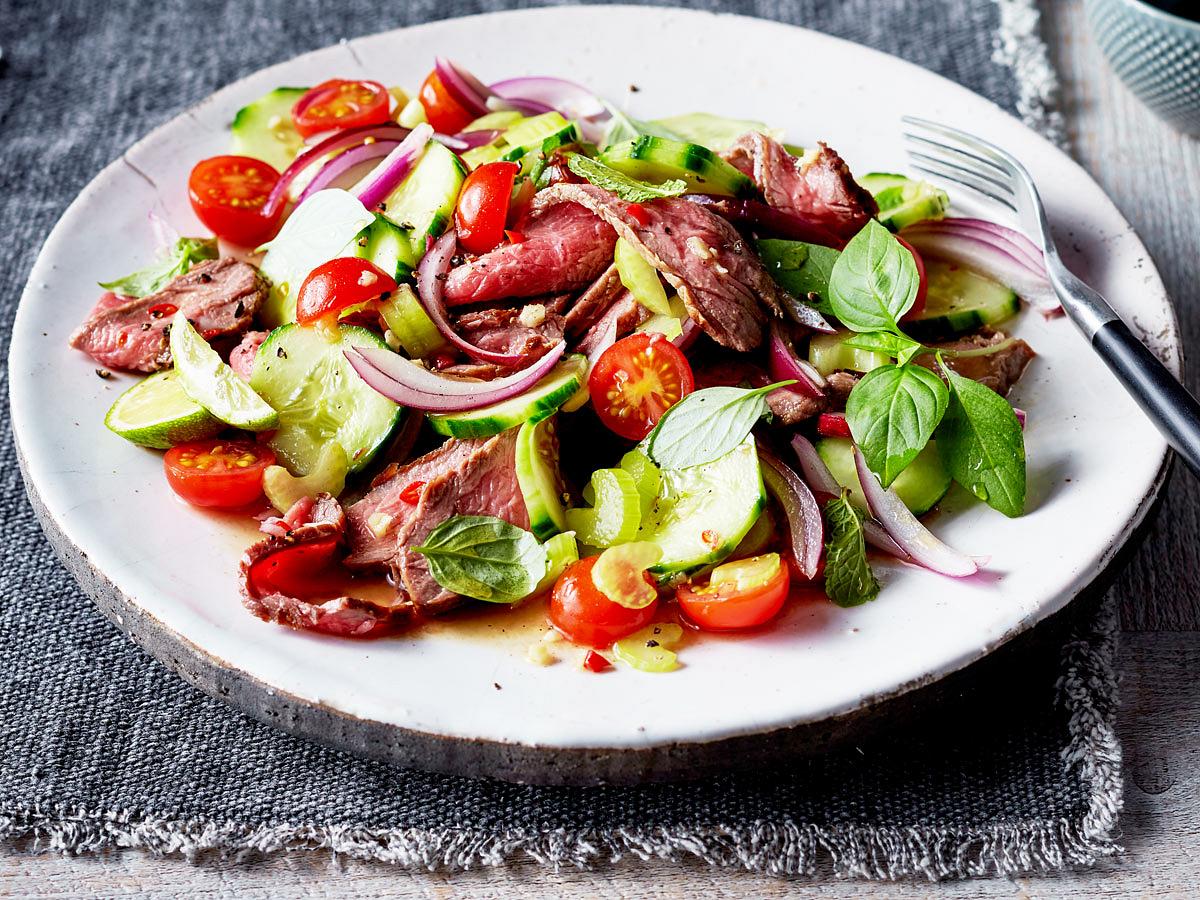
(482, 209)
(339, 284)
(338, 103)
(918, 306)
(636, 380)
(216, 473)
(229, 195)
(742, 594)
(308, 571)
(586, 616)
(442, 111)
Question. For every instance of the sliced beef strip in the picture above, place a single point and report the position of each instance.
(241, 357)
(530, 331)
(625, 313)
(563, 250)
(789, 406)
(219, 296)
(594, 301)
(718, 277)
(341, 616)
(818, 187)
(998, 371)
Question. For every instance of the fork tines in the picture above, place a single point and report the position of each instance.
(962, 158)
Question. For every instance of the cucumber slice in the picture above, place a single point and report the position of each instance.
(263, 129)
(328, 476)
(519, 138)
(903, 201)
(540, 401)
(959, 301)
(538, 475)
(615, 514)
(212, 384)
(157, 413)
(716, 133)
(387, 245)
(701, 513)
(641, 278)
(423, 203)
(828, 354)
(320, 398)
(800, 268)
(656, 159)
(500, 119)
(407, 320)
(921, 485)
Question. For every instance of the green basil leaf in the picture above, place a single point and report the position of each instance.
(628, 189)
(706, 424)
(849, 580)
(180, 258)
(485, 558)
(981, 443)
(874, 281)
(801, 269)
(897, 345)
(892, 413)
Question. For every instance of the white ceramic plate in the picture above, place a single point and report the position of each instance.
(1094, 462)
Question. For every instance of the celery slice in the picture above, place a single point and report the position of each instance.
(616, 513)
(620, 574)
(649, 650)
(641, 278)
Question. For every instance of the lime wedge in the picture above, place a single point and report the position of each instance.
(157, 413)
(212, 384)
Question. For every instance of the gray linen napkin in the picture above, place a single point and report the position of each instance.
(102, 747)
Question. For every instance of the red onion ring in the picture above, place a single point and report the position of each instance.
(386, 176)
(463, 86)
(467, 140)
(403, 381)
(805, 526)
(906, 529)
(784, 365)
(573, 100)
(343, 163)
(686, 337)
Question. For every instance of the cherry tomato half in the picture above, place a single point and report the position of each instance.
(216, 473)
(741, 594)
(442, 111)
(918, 306)
(483, 206)
(338, 103)
(586, 616)
(636, 380)
(339, 284)
(229, 195)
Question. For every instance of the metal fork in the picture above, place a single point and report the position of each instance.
(953, 155)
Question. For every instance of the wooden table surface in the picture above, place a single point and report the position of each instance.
(1153, 175)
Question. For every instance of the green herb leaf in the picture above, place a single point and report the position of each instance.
(485, 558)
(628, 189)
(180, 258)
(981, 443)
(892, 413)
(623, 128)
(801, 269)
(706, 424)
(874, 281)
(897, 345)
(849, 580)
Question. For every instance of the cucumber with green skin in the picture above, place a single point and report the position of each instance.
(921, 485)
(539, 478)
(319, 397)
(828, 353)
(387, 245)
(264, 130)
(903, 201)
(535, 404)
(655, 159)
(523, 135)
(157, 413)
(960, 301)
(423, 203)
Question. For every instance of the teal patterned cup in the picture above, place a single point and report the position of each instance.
(1156, 53)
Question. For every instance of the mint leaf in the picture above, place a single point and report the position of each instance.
(892, 414)
(706, 424)
(628, 189)
(180, 258)
(849, 580)
(874, 281)
(981, 443)
(898, 345)
(485, 558)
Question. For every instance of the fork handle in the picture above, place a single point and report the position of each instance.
(1167, 402)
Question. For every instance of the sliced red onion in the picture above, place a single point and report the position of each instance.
(784, 364)
(906, 529)
(525, 107)
(757, 214)
(821, 480)
(431, 274)
(335, 143)
(687, 336)
(805, 526)
(573, 100)
(1021, 416)
(394, 168)
(403, 381)
(993, 250)
(463, 86)
(467, 140)
(344, 162)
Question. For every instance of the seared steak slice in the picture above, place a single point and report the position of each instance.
(529, 331)
(720, 280)
(998, 371)
(624, 313)
(593, 302)
(318, 523)
(562, 250)
(241, 357)
(220, 296)
(818, 187)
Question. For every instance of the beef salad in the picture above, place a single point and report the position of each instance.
(504, 344)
